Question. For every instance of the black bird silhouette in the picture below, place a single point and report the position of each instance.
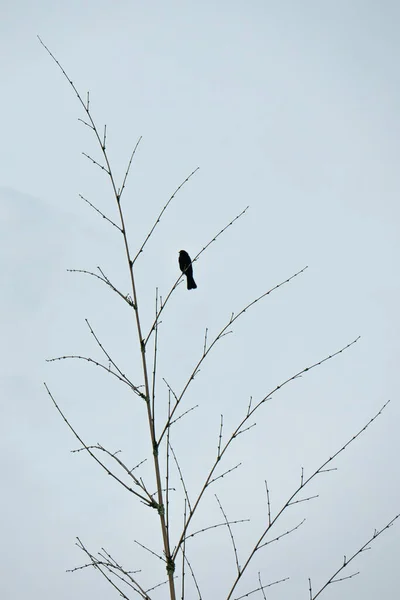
(185, 265)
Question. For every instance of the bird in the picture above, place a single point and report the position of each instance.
(185, 265)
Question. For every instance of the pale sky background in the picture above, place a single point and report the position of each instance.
(289, 107)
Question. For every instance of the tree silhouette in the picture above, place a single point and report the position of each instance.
(160, 415)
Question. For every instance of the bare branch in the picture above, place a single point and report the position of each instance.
(105, 169)
(167, 467)
(120, 192)
(220, 437)
(181, 477)
(86, 123)
(277, 538)
(303, 500)
(262, 588)
(363, 548)
(104, 350)
(216, 526)
(148, 550)
(184, 414)
(268, 504)
(231, 535)
(170, 389)
(219, 336)
(245, 429)
(153, 385)
(118, 571)
(100, 566)
(113, 455)
(224, 473)
(183, 553)
(154, 587)
(134, 303)
(161, 214)
(249, 407)
(138, 465)
(193, 576)
(107, 470)
(205, 341)
(260, 541)
(125, 297)
(122, 377)
(104, 136)
(105, 280)
(100, 213)
(347, 577)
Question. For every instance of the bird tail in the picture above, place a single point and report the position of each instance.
(191, 284)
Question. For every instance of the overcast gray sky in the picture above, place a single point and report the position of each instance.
(289, 107)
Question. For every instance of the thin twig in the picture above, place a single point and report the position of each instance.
(138, 482)
(100, 213)
(278, 537)
(305, 499)
(107, 470)
(224, 473)
(104, 136)
(230, 440)
(263, 587)
(99, 566)
(218, 337)
(122, 378)
(260, 541)
(153, 385)
(148, 550)
(167, 473)
(346, 561)
(230, 533)
(161, 214)
(220, 436)
(106, 281)
(205, 341)
(181, 478)
(184, 414)
(249, 407)
(95, 162)
(103, 349)
(215, 527)
(120, 191)
(154, 587)
(246, 429)
(268, 504)
(183, 555)
(193, 577)
(116, 569)
(170, 389)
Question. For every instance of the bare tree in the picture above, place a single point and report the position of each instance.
(172, 544)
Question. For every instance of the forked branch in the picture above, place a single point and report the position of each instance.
(117, 192)
(249, 413)
(148, 501)
(347, 561)
(322, 469)
(161, 214)
(218, 337)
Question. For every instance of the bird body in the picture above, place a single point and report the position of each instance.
(185, 265)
